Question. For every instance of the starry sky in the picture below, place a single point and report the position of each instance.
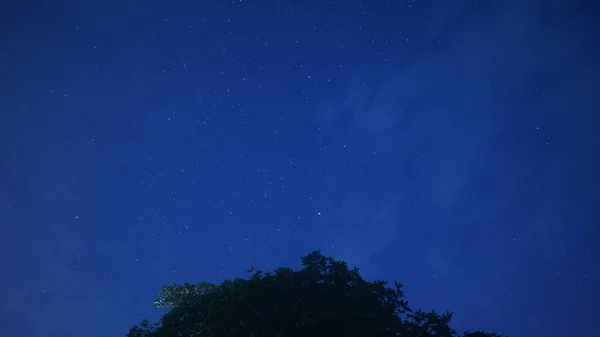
(444, 144)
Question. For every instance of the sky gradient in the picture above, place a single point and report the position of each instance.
(448, 145)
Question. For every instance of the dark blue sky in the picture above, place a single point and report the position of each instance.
(448, 145)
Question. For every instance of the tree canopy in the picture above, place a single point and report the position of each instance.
(324, 298)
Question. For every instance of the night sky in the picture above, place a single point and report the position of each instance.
(448, 145)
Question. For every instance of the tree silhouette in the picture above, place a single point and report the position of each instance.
(324, 298)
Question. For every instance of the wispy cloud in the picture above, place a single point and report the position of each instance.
(471, 148)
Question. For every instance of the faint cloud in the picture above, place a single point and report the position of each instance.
(451, 147)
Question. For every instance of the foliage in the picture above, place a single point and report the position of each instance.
(324, 298)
